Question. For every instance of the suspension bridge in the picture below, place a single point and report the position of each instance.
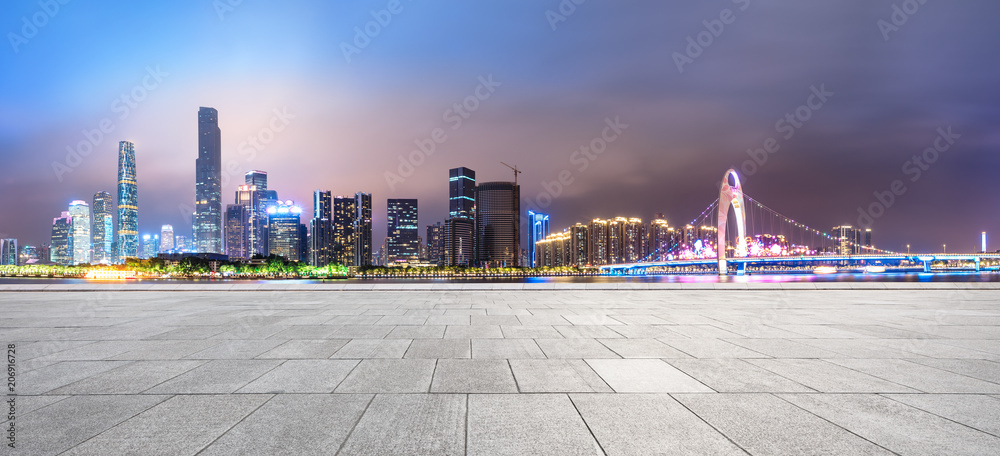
(764, 240)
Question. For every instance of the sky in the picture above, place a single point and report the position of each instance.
(338, 96)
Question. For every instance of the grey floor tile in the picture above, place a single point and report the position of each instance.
(645, 376)
(360, 332)
(165, 349)
(527, 424)
(180, 425)
(782, 348)
(410, 424)
(530, 332)
(416, 332)
(919, 377)
(763, 424)
(975, 368)
(712, 348)
(448, 320)
(505, 349)
(627, 424)
(642, 348)
(302, 376)
(389, 376)
(373, 348)
(304, 349)
(439, 349)
(236, 349)
(587, 332)
(46, 379)
(66, 423)
(473, 332)
(496, 320)
(976, 411)
(300, 424)
(132, 378)
(736, 376)
(215, 377)
(574, 348)
(556, 376)
(827, 377)
(473, 376)
(896, 426)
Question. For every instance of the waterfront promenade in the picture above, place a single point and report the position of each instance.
(505, 368)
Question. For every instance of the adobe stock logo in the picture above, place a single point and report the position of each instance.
(30, 27)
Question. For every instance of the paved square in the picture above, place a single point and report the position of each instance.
(862, 368)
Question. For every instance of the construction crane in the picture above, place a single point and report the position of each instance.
(516, 171)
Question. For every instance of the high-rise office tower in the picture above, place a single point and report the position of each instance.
(61, 241)
(579, 241)
(150, 243)
(28, 255)
(237, 231)
(208, 184)
(344, 214)
(321, 236)
(79, 211)
(166, 238)
(256, 202)
(460, 228)
(498, 224)
(435, 243)
(539, 229)
(461, 193)
(128, 203)
(868, 241)
(103, 231)
(598, 242)
(363, 229)
(849, 239)
(256, 178)
(8, 252)
(402, 231)
(662, 240)
(285, 231)
(181, 243)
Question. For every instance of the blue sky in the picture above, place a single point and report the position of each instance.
(352, 120)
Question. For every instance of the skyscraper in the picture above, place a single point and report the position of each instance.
(461, 193)
(321, 236)
(256, 178)
(435, 243)
(166, 238)
(850, 240)
(344, 214)
(460, 228)
(256, 202)
(539, 229)
(402, 230)
(363, 229)
(237, 231)
(79, 212)
(8, 252)
(103, 231)
(128, 203)
(498, 223)
(208, 184)
(61, 241)
(150, 243)
(181, 243)
(285, 231)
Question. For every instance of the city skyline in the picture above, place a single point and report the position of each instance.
(344, 131)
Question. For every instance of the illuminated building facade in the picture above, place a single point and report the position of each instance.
(321, 230)
(538, 230)
(208, 184)
(103, 230)
(128, 203)
(61, 241)
(79, 212)
(8, 252)
(166, 239)
(286, 234)
(402, 231)
(344, 215)
(237, 230)
(362, 229)
(498, 224)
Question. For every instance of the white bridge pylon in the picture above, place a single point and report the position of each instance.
(731, 195)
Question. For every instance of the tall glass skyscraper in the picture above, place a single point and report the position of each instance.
(344, 215)
(8, 252)
(539, 230)
(321, 230)
(498, 223)
(60, 244)
(461, 193)
(237, 232)
(363, 229)
(128, 203)
(208, 184)
(103, 231)
(79, 212)
(402, 231)
(256, 178)
(286, 233)
(166, 238)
